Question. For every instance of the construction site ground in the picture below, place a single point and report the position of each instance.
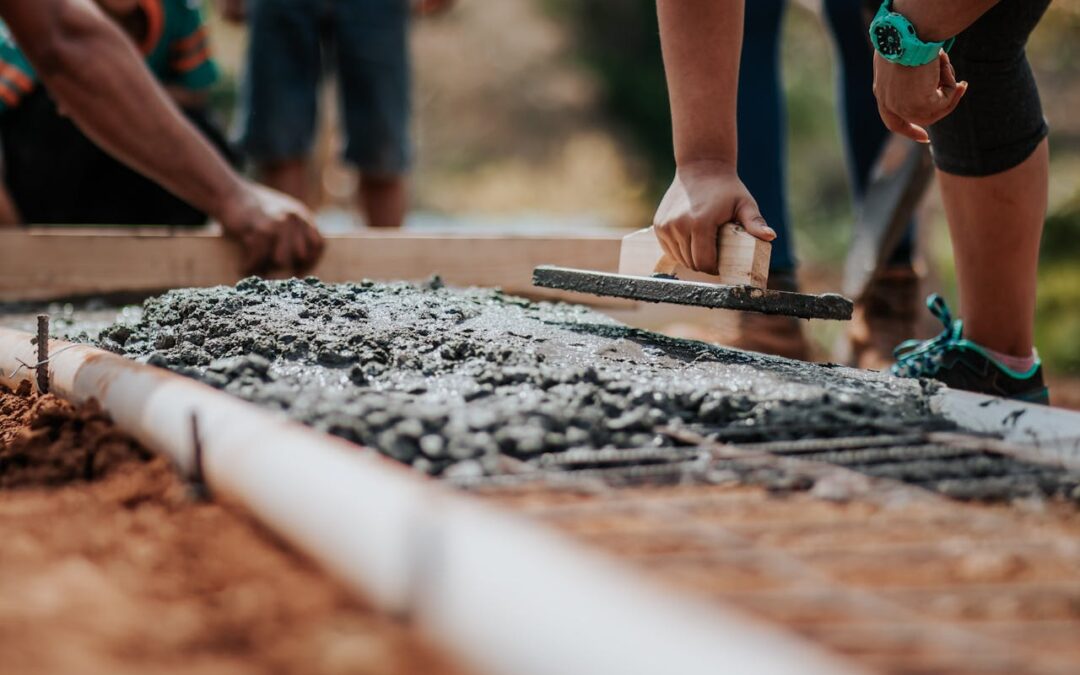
(111, 564)
(833, 503)
(905, 582)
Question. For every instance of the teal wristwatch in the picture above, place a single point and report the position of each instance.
(894, 38)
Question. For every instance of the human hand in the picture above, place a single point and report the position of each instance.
(704, 196)
(911, 99)
(274, 230)
(233, 11)
(430, 7)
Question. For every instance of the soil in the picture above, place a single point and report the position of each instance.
(905, 583)
(109, 565)
(453, 381)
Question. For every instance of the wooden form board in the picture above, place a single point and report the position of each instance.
(743, 258)
(48, 263)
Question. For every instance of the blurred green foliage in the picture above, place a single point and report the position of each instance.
(619, 40)
(1057, 326)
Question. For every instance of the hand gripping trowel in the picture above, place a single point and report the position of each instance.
(646, 273)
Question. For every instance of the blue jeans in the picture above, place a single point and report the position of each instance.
(366, 42)
(762, 123)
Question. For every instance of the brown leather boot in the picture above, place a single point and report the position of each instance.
(769, 334)
(777, 335)
(883, 319)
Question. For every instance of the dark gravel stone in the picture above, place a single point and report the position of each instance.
(448, 379)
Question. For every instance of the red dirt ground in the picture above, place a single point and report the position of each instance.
(126, 573)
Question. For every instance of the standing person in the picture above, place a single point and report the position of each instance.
(888, 314)
(989, 141)
(991, 155)
(367, 42)
(96, 75)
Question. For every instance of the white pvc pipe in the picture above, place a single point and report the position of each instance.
(1051, 432)
(506, 594)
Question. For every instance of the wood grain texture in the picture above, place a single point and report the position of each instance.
(42, 264)
(744, 259)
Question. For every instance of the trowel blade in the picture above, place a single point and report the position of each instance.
(675, 291)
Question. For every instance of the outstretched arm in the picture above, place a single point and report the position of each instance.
(99, 80)
(702, 41)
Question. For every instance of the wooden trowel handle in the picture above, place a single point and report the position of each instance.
(744, 259)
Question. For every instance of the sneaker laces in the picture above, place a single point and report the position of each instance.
(923, 358)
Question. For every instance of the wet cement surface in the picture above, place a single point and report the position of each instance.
(456, 381)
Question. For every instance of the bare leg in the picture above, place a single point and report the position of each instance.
(383, 200)
(289, 176)
(996, 223)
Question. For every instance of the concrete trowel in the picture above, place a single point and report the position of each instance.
(648, 274)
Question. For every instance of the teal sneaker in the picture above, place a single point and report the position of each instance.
(962, 364)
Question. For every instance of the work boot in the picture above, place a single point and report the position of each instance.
(771, 334)
(884, 318)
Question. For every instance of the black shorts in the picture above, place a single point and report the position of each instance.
(57, 176)
(1000, 122)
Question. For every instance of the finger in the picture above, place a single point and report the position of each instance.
(957, 95)
(703, 248)
(667, 243)
(670, 241)
(683, 241)
(898, 125)
(947, 74)
(282, 248)
(749, 216)
(254, 257)
(316, 245)
(301, 252)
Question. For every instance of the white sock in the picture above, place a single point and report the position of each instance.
(1019, 364)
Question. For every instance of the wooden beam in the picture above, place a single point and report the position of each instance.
(49, 263)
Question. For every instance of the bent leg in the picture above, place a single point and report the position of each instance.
(865, 136)
(996, 223)
(762, 130)
(993, 166)
(279, 92)
(371, 40)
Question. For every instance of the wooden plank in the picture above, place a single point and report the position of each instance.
(743, 259)
(47, 263)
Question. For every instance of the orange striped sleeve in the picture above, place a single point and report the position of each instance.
(191, 42)
(8, 95)
(16, 76)
(192, 61)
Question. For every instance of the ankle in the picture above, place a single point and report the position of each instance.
(1018, 364)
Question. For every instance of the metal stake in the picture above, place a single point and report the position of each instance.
(200, 491)
(42, 367)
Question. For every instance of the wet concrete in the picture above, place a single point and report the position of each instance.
(456, 381)
(674, 291)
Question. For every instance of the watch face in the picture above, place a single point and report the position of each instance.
(888, 40)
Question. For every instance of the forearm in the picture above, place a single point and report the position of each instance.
(98, 79)
(936, 21)
(188, 99)
(702, 41)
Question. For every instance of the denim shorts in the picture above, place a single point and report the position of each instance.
(293, 44)
(1000, 122)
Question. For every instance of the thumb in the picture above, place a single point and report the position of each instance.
(749, 216)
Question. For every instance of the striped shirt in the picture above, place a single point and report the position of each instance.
(175, 47)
